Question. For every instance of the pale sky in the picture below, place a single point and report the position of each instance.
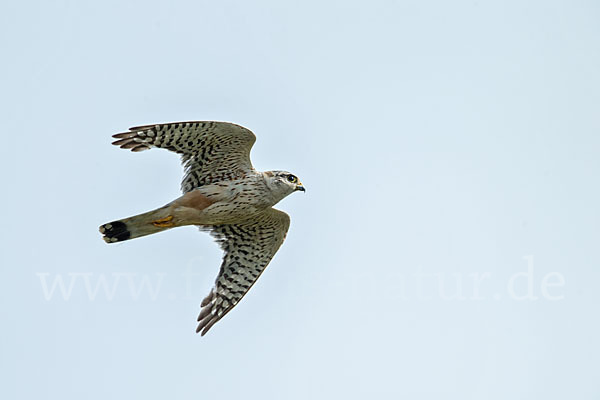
(447, 244)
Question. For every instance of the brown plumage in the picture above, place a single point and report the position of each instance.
(223, 195)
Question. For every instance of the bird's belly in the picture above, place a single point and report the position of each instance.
(216, 214)
(228, 212)
(217, 204)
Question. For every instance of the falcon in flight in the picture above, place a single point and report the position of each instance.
(223, 195)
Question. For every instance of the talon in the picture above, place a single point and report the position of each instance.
(164, 222)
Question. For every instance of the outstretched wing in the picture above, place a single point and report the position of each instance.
(210, 151)
(248, 248)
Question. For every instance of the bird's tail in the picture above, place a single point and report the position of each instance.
(139, 225)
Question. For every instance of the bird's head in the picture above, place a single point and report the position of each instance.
(282, 183)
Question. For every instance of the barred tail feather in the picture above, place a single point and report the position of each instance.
(134, 227)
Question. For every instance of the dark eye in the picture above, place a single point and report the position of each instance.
(292, 178)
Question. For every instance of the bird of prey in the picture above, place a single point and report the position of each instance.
(223, 195)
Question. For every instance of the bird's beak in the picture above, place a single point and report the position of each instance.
(300, 187)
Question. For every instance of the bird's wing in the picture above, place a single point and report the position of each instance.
(210, 151)
(248, 247)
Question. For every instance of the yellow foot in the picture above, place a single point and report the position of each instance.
(164, 222)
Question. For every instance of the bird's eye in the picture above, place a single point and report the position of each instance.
(292, 178)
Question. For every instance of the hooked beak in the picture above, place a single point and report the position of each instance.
(300, 187)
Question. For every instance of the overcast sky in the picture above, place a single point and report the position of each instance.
(447, 244)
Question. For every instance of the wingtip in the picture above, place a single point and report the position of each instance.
(202, 329)
(120, 141)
